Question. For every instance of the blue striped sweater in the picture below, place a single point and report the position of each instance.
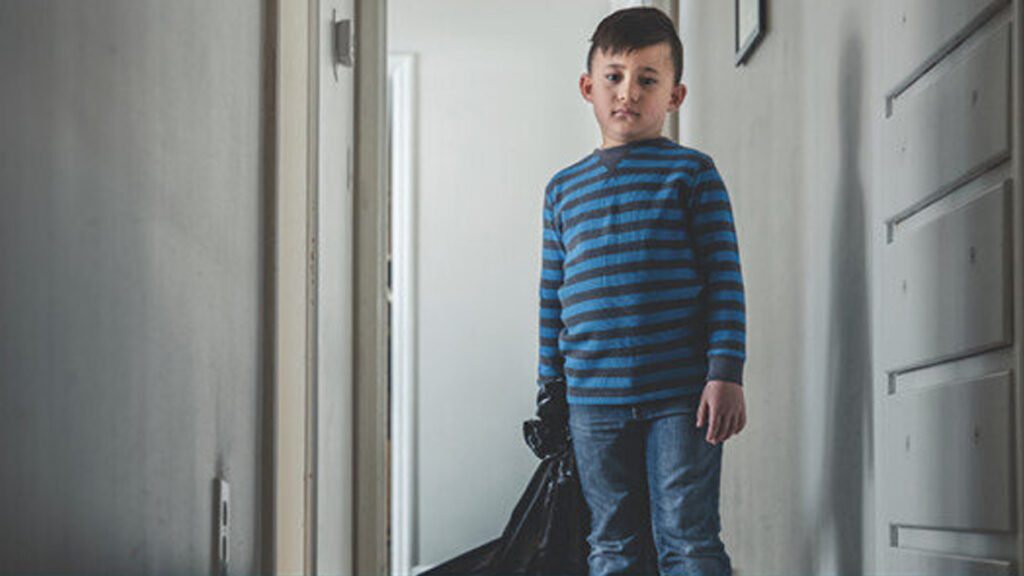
(641, 295)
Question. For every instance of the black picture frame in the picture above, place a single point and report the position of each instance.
(748, 27)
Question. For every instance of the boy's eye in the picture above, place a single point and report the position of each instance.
(615, 77)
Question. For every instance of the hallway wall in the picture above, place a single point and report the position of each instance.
(792, 134)
(131, 250)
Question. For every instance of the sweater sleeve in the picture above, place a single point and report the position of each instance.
(718, 260)
(551, 364)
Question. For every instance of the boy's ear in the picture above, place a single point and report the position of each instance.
(678, 95)
(587, 87)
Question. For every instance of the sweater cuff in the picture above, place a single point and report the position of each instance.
(727, 368)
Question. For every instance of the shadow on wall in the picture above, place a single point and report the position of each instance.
(848, 443)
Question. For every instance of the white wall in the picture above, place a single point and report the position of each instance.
(498, 112)
(131, 250)
(792, 133)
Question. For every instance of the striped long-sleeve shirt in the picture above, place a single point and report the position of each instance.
(641, 295)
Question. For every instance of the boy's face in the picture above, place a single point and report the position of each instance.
(632, 92)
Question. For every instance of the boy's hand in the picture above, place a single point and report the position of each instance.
(721, 404)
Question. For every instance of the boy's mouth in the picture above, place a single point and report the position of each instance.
(624, 113)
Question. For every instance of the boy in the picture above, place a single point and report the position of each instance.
(642, 311)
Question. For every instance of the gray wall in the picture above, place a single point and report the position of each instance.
(881, 303)
(792, 133)
(130, 269)
(497, 113)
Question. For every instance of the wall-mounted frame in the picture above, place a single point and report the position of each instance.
(749, 27)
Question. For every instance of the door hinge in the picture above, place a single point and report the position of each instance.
(344, 42)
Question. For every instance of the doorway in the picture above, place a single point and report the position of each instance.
(479, 120)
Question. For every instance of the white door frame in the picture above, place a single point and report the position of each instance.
(293, 273)
(312, 235)
(401, 97)
(370, 215)
(331, 430)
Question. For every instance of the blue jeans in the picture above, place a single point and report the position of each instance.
(647, 471)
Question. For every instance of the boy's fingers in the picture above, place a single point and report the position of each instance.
(725, 428)
(700, 413)
(734, 423)
(713, 424)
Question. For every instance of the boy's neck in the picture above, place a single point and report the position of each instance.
(613, 143)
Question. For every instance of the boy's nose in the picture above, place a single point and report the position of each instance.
(630, 91)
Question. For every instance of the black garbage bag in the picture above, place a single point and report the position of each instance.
(547, 531)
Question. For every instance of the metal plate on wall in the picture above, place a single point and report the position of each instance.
(947, 284)
(952, 125)
(915, 30)
(948, 450)
(921, 562)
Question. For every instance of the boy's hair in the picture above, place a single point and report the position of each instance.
(634, 28)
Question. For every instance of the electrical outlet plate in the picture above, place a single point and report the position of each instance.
(223, 524)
